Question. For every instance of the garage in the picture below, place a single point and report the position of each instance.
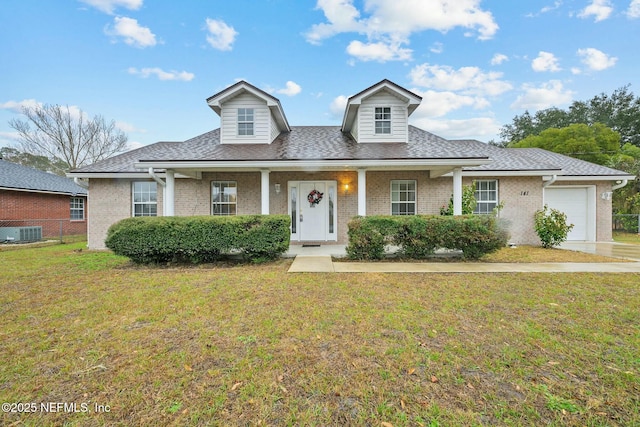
(578, 203)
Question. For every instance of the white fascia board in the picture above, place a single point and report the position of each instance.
(505, 173)
(125, 175)
(591, 177)
(316, 164)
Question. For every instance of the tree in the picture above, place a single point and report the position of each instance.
(596, 143)
(58, 132)
(619, 111)
(42, 163)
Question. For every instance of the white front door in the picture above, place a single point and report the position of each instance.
(313, 221)
(313, 216)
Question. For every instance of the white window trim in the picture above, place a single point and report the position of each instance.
(375, 120)
(497, 193)
(133, 199)
(415, 190)
(235, 185)
(252, 121)
(72, 208)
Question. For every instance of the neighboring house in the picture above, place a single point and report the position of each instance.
(375, 163)
(30, 197)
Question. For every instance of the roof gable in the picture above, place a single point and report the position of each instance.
(216, 101)
(353, 103)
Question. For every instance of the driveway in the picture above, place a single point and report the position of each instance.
(610, 249)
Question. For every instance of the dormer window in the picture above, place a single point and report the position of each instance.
(245, 121)
(383, 120)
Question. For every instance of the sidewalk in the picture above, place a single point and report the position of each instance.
(319, 260)
(324, 264)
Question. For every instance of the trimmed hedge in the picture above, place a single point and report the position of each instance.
(418, 236)
(199, 239)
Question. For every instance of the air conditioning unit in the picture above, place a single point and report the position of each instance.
(20, 234)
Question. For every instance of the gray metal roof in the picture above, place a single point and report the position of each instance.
(330, 143)
(18, 177)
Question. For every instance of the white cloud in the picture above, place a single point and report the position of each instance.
(499, 58)
(291, 89)
(17, 106)
(478, 127)
(596, 60)
(108, 6)
(545, 62)
(133, 33)
(161, 74)
(547, 95)
(437, 47)
(128, 127)
(221, 36)
(599, 9)
(379, 51)
(389, 24)
(634, 9)
(438, 104)
(468, 80)
(338, 105)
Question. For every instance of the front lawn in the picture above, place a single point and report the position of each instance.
(254, 345)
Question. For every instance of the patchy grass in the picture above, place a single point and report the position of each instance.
(254, 345)
(540, 254)
(626, 237)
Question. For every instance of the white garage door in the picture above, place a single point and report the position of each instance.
(576, 204)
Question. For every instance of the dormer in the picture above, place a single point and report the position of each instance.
(380, 113)
(248, 115)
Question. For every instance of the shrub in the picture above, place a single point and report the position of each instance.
(468, 201)
(418, 236)
(199, 239)
(551, 226)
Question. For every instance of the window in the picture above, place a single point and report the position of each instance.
(223, 197)
(383, 120)
(486, 196)
(403, 197)
(77, 209)
(145, 199)
(245, 121)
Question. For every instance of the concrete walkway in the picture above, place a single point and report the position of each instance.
(319, 260)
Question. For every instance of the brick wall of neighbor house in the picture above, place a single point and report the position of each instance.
(29, 207)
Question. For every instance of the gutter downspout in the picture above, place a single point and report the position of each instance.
(156, 178)
(86, 186)
(622, 184)
(551, 181)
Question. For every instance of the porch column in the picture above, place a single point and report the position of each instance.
(169, 203)
(362, 192)
(264, 191)
(457, 191)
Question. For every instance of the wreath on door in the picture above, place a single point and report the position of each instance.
(314, 197)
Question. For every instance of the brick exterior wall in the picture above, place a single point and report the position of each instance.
(110, 199)
(23, 208)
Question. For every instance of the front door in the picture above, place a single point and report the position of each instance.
(316, 210)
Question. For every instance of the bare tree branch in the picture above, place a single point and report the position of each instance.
(57, 131)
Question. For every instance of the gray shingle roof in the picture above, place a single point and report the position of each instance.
(330, 143)
(15, 176)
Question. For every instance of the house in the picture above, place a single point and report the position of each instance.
(33, 198)
(374, 163)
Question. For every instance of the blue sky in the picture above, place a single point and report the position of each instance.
(150, 65)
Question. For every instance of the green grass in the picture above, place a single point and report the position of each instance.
(228, 344)
(623, 237)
